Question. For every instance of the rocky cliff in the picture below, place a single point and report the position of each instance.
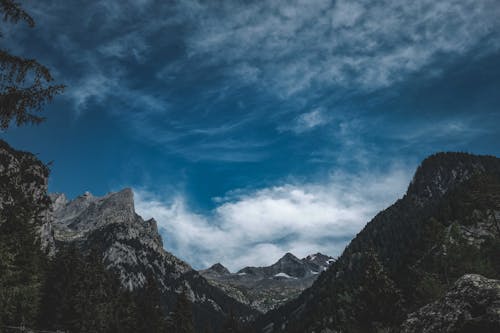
(265, 288)
(472, 305)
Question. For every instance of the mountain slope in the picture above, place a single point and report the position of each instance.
(264, 288)
(133, 249)
(445, 226)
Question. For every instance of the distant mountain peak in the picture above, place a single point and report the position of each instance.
(319, 259)
(220, 269)
(264, 288)
(289, 257)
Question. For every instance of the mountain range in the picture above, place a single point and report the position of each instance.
(427, 263)
(265, 288)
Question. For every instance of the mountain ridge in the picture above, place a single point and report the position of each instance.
(264, 288)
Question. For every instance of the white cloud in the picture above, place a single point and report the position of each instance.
(258, 227)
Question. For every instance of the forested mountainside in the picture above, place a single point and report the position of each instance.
(447, 225)
(92, 264)
(265, 288)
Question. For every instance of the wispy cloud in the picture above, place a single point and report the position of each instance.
(295, 45)
(173, 73)
(454, 129)
(257, 227)
(307, 121)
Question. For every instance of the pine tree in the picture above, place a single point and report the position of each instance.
(81, 295)
(21, 266)
(150, 313)
(94, 294)
(25, 84)
(378, 302)
(182, 317)
(126, 318)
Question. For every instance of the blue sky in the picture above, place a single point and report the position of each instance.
(249, 128)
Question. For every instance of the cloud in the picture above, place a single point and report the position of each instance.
(307, 121)
(174, 74)
(258, 227)
(297, 45)
(287, 46)
(450, 130)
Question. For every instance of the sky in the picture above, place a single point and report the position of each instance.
(249, 129)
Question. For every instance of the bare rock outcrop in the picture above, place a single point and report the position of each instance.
(472, 305)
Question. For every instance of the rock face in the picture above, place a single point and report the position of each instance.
(132, 247)
(264, 288)
(472, 305)
(447, 225)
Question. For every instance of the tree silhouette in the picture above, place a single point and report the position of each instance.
(181, 320)
(25, 84)
(152, 318)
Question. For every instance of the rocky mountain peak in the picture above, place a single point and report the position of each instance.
(58, 200)
(319, 259)
(289, 258)
(87, 212)
(219, 269)
(441, 172)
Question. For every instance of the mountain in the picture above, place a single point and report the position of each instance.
(133, 248)
(446, 225)
(265, 288)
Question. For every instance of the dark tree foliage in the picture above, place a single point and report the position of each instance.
(25, 84)
(78, 293)
(378, 301)
(152, 318)
(181, 319)
(81, 295)
(21, 268)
